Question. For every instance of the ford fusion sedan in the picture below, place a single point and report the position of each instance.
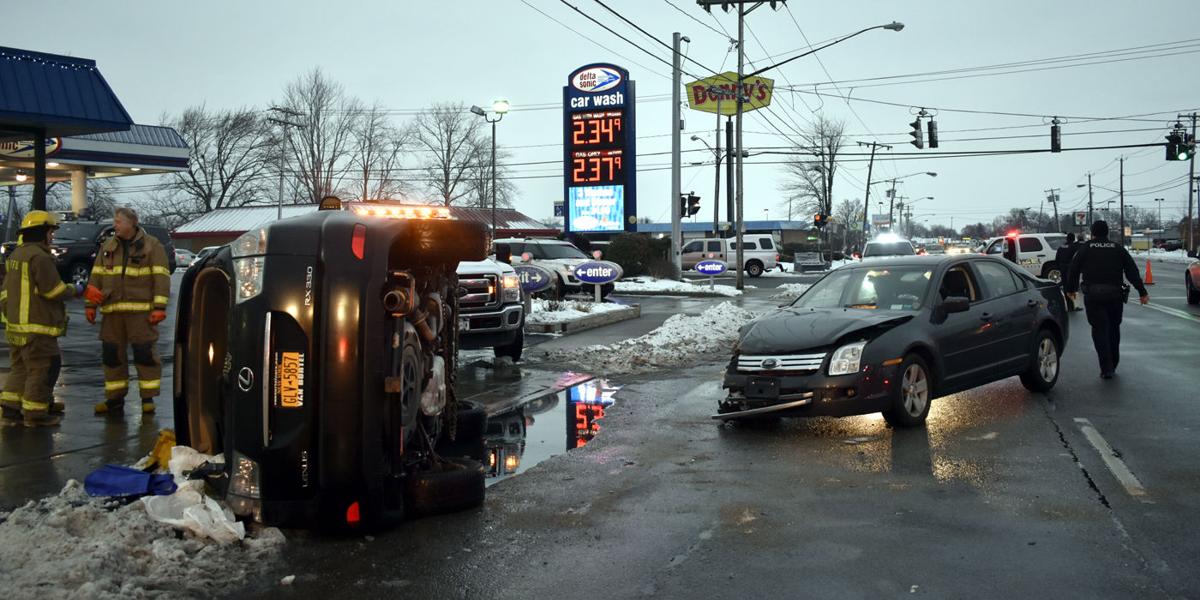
(890, 336)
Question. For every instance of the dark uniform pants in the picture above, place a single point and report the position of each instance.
(35, 366)
(119, 331)
(1105, 318)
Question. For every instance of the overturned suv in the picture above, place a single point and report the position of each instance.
(317, 355)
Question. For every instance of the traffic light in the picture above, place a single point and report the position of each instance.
(916, 133)
(819, 220)
(932, 126)
(1188, 148)
(689, 204)
(1055, 137)
(1176, 150)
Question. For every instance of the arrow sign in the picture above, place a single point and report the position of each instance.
(598, 272)
(710, 267)
(534, 278)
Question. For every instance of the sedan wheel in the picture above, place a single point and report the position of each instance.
(910, 398)
(1042, 373)
(1193, 294)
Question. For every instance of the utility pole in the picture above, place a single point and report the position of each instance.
(740, 201)
(1052, 198)
(716, 200)
(1089, 219)
(892, 201)
(1191, 222)
(283, 125)
(870, 169)
(676, 184)
(1122, 195)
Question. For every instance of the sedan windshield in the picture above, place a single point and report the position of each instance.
(894, 288)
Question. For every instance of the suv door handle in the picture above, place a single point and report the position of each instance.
(1031, 303)
(985, 317)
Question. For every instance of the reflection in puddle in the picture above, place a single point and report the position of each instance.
(523, 436)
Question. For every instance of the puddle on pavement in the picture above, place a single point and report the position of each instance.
(520, 437)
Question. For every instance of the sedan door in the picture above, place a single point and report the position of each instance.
(1010, 311)
(964, 339)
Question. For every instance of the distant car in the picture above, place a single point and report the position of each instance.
(184, 257)
(204, 253)
(76, 244)
(1191, 281)
(888, 247)
(558, 257)
(934, 249)
(1034, 252)
(759, 254)
(890, 336)
(1171, 245)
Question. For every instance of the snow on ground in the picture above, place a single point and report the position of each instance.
(677, 342)
(1174, 256)
(75, 546)
(654, 285)
(790, 291)
(551, 311)
(792, 272)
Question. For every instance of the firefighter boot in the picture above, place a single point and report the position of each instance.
(40, 418)
(115, 407)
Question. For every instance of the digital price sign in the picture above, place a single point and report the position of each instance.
(599, 154)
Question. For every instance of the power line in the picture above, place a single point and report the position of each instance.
(588, 38)
(701, 23)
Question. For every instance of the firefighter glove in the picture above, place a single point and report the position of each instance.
(90, 314)
(93, 294)
(157, 317)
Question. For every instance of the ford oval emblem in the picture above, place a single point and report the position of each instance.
(596, 79)
(598, 272)
(770, 363)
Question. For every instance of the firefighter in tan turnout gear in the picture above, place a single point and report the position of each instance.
(130, 283)
(34, 315)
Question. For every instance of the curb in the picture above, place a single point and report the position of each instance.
(676, 293)
(632, 311)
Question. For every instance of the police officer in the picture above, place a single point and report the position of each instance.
(31, 304)
(130, 284)
(1102, 263)
(1063, 257)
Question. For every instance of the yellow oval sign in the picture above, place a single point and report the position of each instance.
(716, 94)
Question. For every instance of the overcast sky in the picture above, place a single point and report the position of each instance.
(161, 57)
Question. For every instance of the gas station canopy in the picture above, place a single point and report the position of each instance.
(56, 95)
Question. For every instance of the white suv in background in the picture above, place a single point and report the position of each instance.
(760, 253)
(1035, 252)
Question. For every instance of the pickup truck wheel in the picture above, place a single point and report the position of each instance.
(754, 268)
(79, 272)
(512, 350)
(448, 486)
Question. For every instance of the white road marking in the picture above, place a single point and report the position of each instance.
(1175, 312)
(1115, 465)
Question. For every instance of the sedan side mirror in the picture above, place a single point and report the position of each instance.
(956, 304)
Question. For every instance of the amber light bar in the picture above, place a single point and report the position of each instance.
(403, 212)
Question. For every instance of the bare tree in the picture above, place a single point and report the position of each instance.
(322, 144)
(480, 176)
(450, 137)
(226, 165)
(809, 176)
(379, 150)
(847, 216)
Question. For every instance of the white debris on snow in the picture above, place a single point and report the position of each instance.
(1175, 256)
(653, 285)
(790, 291)
(554, 311)
(74, 546)
(189, 509)
(677, 342)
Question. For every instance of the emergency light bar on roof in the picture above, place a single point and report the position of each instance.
(399, 211)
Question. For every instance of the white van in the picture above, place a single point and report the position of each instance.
(760, 254)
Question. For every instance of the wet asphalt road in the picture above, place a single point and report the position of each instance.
(1085, 492)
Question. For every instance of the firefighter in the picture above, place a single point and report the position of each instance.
(130, 283)
(31, 304)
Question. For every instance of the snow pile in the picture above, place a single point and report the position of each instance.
(1174, 256)
(75, 546)
(652, 285)
(553, 311)
(790, 291)
(680, 341)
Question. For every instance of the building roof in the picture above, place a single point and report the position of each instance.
(62, 94)
(142, 135)
(726, 228)
(235, 221)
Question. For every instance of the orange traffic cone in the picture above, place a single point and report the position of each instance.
(1149, 279)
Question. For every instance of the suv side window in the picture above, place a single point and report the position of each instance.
(1030, 244)
(997, 247)
(998, 279)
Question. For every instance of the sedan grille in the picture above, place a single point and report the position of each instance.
(796, 363)
(480, 291)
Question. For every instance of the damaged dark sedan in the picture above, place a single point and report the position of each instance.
(889, 335)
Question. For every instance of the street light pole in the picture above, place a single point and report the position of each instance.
(1122, 194)
(499, 108)
(1160, 221)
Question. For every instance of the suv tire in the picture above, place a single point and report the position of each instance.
(451, 485)
(1052, 272)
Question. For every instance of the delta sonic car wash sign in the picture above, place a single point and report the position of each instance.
(599, 153)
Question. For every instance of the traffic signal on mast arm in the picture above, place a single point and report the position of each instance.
(916, 133)
(1055, 136)
(1176, 148)
(690, 204)
(1187, 149)
(932, 127)
(819, 220)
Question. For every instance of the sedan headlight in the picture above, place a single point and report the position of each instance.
(248, 277)
(847, 359)
(251, 243)
(510, 286)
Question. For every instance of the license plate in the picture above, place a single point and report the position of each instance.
(762, 387)
(464, 324)
(290, 374)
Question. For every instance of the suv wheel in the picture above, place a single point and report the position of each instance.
(79, 272)
(1052, 272)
